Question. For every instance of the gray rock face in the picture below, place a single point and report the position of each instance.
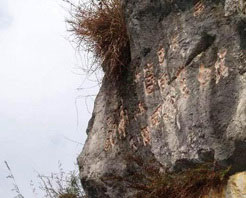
(235, 6)
(182, 100)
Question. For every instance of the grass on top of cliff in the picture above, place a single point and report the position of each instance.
(191, 183)
(99, 27)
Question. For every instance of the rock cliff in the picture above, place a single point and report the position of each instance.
(181, 100)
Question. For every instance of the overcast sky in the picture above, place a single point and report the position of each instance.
(38, 89)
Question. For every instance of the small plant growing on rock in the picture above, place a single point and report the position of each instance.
(100, 28)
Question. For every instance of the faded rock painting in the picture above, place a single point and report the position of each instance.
(174, 43)
(161, 57)
(113, 128)
(220, 67)
(122, 123)
(182, 82)
(155, 118)
(204, 75)
(146, 136)
(149, 79)
(111, 133)
(198, 8)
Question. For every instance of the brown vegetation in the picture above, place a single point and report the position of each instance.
(191, 183)
(151, 180)
(99, 27)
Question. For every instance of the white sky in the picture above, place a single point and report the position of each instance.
(38, 89)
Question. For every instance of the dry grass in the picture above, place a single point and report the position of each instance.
(99, 27)
(146, 179)
(191, 183)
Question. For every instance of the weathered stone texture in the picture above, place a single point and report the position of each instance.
(182, 100)
(234, 189)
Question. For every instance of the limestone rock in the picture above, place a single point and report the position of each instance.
(236, 188)
(182, 99)
(231, 7)
(235, 6)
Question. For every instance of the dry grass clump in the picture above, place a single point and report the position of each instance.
(99, 27)
(148, 181)
(191, 183)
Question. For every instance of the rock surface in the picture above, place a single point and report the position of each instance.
(234, 189)
(182, 99)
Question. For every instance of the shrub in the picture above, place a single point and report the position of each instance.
(56, 185)
(61, 185)
(99, 27)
